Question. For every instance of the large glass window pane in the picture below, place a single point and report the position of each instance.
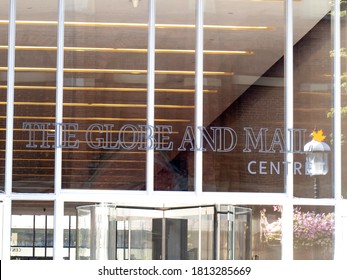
(174, 94)
(35, 80)
(3, 85)
(244, 96)
(313, 96)
(105, 90)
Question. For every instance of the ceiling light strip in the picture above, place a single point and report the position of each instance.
(143, 25)
(80, 182)
(118, 71)
(38, 175)
(38, 142)
(18, 103)
(84, 131)
(127, 50)
(77, 151)
(79, 160)
(79, 168)
(98, 119)
(162, 90)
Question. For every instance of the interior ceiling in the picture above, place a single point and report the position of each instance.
(257, 27)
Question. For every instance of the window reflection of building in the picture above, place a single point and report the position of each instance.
(32, 241)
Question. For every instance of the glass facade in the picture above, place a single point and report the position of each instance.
(176, 107)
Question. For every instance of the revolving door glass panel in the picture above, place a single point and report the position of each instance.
(189, 233)
(235, 233)
(109, 231)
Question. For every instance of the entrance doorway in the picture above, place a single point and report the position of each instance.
(198, 232)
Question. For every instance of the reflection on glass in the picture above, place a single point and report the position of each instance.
(313, 92)
(105, 95)
(32, 232)
(174, 94)
(235, 233)
(207, 232)
(70, 234)
(43, 244)
(313, 233)
(243, 112)
(107, 232)
(267, 232)
(35, 81)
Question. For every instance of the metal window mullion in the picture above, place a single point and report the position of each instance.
(287, 229)
(200, 235)
(338, 244)
(199, 77)
(58, 237)
(7, 203)
(10, 96)
(58, 247)
(150, 96)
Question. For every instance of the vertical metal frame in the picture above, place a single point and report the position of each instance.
(289, 95)
(10, 96)
(150, 94)
(59, 99)
(287, 214)
(199, 77)
(7, 203)
(58, 237)
(338, 244)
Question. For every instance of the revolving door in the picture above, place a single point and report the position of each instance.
(203, 232)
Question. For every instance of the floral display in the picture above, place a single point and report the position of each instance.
(310, 228)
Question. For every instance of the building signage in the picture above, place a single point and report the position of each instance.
(143, 137)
